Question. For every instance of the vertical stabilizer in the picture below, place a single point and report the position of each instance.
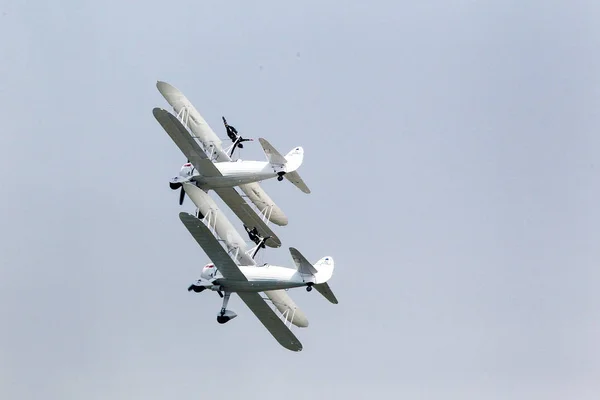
(322, 271)
(294, 160)
(325, 267)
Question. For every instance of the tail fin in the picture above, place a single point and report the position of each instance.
(325, 267)
(322, 271)
(291, 162)
(294, 160)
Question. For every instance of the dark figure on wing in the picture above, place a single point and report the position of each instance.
(234, 136)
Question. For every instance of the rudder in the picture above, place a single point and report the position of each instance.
(325, 270)
(294, 159)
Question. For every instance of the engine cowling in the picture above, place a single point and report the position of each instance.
(208, 272)
(186, 170)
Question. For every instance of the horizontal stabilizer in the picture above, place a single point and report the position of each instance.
(304, 267)
(325, 290)
(273, 155)
(294, 177)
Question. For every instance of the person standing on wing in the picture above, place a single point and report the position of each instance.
(231, 131)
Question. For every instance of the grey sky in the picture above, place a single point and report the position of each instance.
(452, 149)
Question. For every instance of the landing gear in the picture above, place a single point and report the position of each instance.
(280, 176)
(309, 287)
(225, 301)
(196, 289)
(225, 315)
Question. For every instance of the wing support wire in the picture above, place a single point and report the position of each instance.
(184, 116)
(265, 213)
(210, 220)
(283, 316)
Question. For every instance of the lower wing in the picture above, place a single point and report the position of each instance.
(271, 321)
(263, 202)
(248, 216)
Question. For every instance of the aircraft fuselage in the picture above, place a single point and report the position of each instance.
(238, 173)
(267, 277)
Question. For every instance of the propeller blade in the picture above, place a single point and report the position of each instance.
(181, 196)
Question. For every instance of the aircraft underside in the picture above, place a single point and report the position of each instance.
(230, 181)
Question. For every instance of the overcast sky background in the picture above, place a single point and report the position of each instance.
(452, 150)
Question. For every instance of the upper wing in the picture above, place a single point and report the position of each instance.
(264, 203)
(244, 212)
(197, 124)
(211, 246)
(186, 143)
(271, 321)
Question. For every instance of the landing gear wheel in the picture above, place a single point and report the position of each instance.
(221, 319)
(197, 289)
(280, 178)
(308, 288)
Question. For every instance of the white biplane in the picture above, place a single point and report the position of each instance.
(236, 247)
(225, 174)
(224, 276)
(203, 146)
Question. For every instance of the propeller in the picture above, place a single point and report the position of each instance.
(182, 192)
(181, 195)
